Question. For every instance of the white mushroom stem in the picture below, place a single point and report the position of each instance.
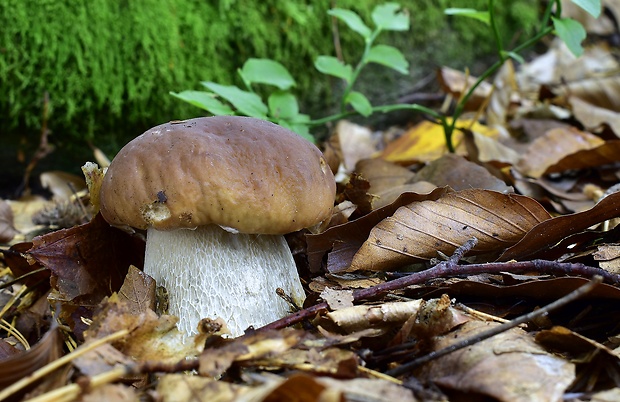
(209, 273)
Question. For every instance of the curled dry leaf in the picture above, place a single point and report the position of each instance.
(18, 366)
(150, 338)
(418, 231)
(358, 318)
(552, 231)
(215, 361)
(602, 92)
(62, 185)
(504, 86)
(592, 117)
(456, 83)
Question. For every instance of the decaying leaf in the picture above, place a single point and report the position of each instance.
(20, 365)
(337, 299)
(608, 256)
(216, 360)
(150, 337)
(138, 291)
(504, 86)
(181, 387)
(419, 230)
(88, 262)
(552, 231)
(487, 368)
(456, 83)
(602, 92)
(593, 117)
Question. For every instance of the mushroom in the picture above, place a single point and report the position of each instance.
(216, 195)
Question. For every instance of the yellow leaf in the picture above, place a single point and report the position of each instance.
(426, 142)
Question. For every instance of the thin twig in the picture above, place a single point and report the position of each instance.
(372, 291)
(574, 295)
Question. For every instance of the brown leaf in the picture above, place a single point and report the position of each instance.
(456, 83)
(355, 143)
(546, 151)
(216, 360)
(183, 387)
(593, 117)
(88, 262)
(605, 154)
(150, 338)
(507, 367)
(343, 241)
(460, 174)
(18, 366)
(602, 92)
(550, 232)
(138, 291)
(419, 230)
(499, 102)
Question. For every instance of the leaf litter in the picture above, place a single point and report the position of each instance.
(425, 250)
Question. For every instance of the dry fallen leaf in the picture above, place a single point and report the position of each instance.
(508, 367)
(548, 150)
(419, 230)
(426, 142)
(456, 83)
(552, 231)
(460, 174)
(150, 338)
(88, 262)
(343, 241)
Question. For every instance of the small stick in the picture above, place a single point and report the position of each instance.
(574, 295)
(372, 291)
(451, 268)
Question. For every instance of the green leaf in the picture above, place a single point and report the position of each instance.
(352, 20)
(246, 103)
(298, 125)
(283, 105)
(571, 32)
(592, 7)
(332, 66)
(360, 103)
(267, 71)
(483, 16)
(388, 56)
(204, 100)
(391, 17)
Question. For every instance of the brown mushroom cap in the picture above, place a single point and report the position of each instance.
(237, 172)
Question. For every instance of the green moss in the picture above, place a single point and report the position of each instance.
(108, 65)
